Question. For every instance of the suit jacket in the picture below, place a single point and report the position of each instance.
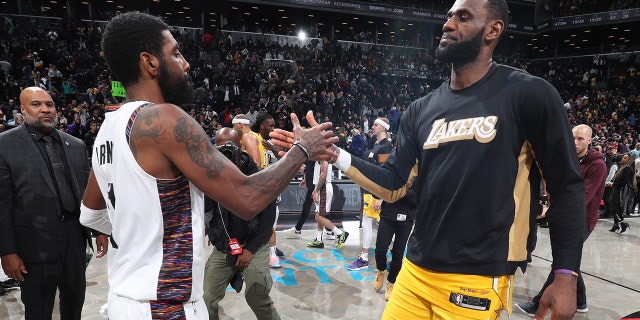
(30, 223)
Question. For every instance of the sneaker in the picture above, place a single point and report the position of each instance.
(529, 308)
(316, 244)
(292, 233)
(274, 262)
(379, 280)
(582, 308)
(387, 293)
(10, 284)
(342, 238)
(330, 235)
(358, 264)
(279, 252)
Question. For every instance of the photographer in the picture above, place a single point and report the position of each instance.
(241, 251)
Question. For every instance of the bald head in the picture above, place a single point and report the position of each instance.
(582, 138)
(227, 134)
(584, 128)
(27, 94)
(38, 109)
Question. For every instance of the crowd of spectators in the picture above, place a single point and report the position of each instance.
(565, 8)
(349, 86)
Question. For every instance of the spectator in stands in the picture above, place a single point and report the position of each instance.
(358, 143)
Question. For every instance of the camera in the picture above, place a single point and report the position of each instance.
(232, 152)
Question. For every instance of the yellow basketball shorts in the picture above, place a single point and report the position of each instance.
(420, 293)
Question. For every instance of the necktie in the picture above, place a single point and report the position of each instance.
(64, 188)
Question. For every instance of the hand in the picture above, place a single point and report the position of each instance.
(13, 266)
(316, 196)
(303, 183)
(318, 139)
(377, 204)
(102, 245)
(560, 298)
(244, 258)
(270, 146)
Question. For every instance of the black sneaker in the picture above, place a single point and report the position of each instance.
(342, 238)
(10, 284)
(279, 252)
(529, 308)
(316, 244)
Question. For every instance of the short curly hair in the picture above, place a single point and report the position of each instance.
(125, 37)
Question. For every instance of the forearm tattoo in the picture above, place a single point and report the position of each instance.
(200, 149)
(320, 184)
(278, 176)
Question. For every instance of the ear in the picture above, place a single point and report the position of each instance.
(496, 28)
(149, 65)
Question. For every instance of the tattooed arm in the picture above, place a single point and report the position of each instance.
(167, 142)
(322, 179)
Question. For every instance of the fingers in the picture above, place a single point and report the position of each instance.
(310, 119)
(282, 138)
(23, 270)
(295, 121)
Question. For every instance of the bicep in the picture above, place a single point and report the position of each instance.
(188, 148)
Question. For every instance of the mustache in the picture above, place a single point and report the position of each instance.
(448, 37)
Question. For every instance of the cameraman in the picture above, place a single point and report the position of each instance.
(241, 250)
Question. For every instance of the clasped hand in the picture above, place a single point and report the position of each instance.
(318, 140)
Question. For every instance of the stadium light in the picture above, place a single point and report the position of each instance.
(302, 35)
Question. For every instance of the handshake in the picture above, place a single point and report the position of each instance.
(316, 142)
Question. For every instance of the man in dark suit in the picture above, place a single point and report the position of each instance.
(43, 173)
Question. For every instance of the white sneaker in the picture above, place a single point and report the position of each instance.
(330, 235)
(292, 233)
(274, 262)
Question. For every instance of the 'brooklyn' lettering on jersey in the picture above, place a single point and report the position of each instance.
(104, 152)
(483, 129)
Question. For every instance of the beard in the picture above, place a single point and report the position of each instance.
(45, 127)
(175, 90)
(461, 52)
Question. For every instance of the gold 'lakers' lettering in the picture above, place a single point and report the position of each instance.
(483, 129)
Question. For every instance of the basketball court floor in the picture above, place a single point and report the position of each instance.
(315, 284)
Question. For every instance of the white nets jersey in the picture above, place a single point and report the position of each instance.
(157, 249)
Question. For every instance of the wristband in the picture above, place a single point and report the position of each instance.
(299, 145)
(565, 271)
(336, 150)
